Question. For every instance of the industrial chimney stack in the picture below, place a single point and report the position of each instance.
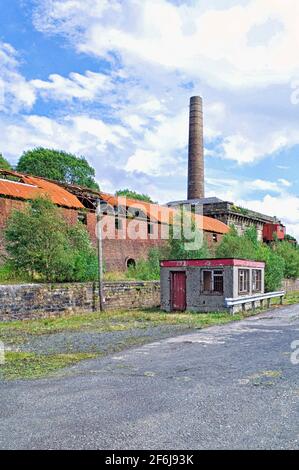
(196, 188)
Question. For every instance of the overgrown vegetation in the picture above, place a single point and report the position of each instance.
(133, 195)
(178, 247)
(146, 269)
(4, 164)
(290, 253)
(23, 365)
(58, 165)
(281, 257)
(29, 365)
(9, 276)
(42, 246)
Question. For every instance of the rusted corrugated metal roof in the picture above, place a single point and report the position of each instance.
(166, 215)
(30, 187)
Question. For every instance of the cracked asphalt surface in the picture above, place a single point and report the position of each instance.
(224, 387)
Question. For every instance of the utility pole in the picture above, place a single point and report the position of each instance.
(100, 254)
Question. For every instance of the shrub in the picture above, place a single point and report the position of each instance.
(290, 254)
(133, 195)
(182, 248)
(85, 261)
(9, 275)
(42, 246)
(274, 270)
(247, 246)
(148, 269)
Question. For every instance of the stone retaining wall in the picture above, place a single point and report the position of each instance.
(18, 302)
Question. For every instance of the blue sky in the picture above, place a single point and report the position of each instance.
(111, 80)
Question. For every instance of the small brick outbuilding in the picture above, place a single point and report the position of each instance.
(203, 285)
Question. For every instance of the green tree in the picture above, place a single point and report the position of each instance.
(234, 246)
(4, 164)
(58, 165)
(184, 245)
(85, 261)
(42, 246)
(247, 246)
(274, 270)
(290, 238)
(290, 254)
(133, 195)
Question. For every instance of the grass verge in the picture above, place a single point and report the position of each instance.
(30, 365)
(20, 365)
(18, 331)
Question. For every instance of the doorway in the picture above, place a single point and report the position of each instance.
(178, 291)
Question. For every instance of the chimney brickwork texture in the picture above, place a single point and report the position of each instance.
(195, 151)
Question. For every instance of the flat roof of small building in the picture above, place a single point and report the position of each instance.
(212, 262)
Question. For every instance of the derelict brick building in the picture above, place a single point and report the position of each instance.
(137, 226)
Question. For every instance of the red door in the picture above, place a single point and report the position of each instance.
(178, 291)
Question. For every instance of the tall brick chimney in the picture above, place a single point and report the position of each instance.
(195, 153)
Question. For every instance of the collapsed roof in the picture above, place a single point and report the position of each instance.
(26, 187)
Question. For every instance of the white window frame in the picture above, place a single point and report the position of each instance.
(254, 280)
(242, 288)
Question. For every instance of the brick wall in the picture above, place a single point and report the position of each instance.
(18, 302)
(116, 251)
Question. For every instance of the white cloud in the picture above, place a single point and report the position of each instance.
(186, 37)
(78, 134)
(135, 122)
(16, 92)
(284, 182)
(285, 207)
(161, 45)
(252, 145)
(145, 161)
(83, 87)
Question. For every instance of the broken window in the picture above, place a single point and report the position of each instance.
(82, 217)
(213, 281)
(118, 223)
(150, 229)
(207, 281)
